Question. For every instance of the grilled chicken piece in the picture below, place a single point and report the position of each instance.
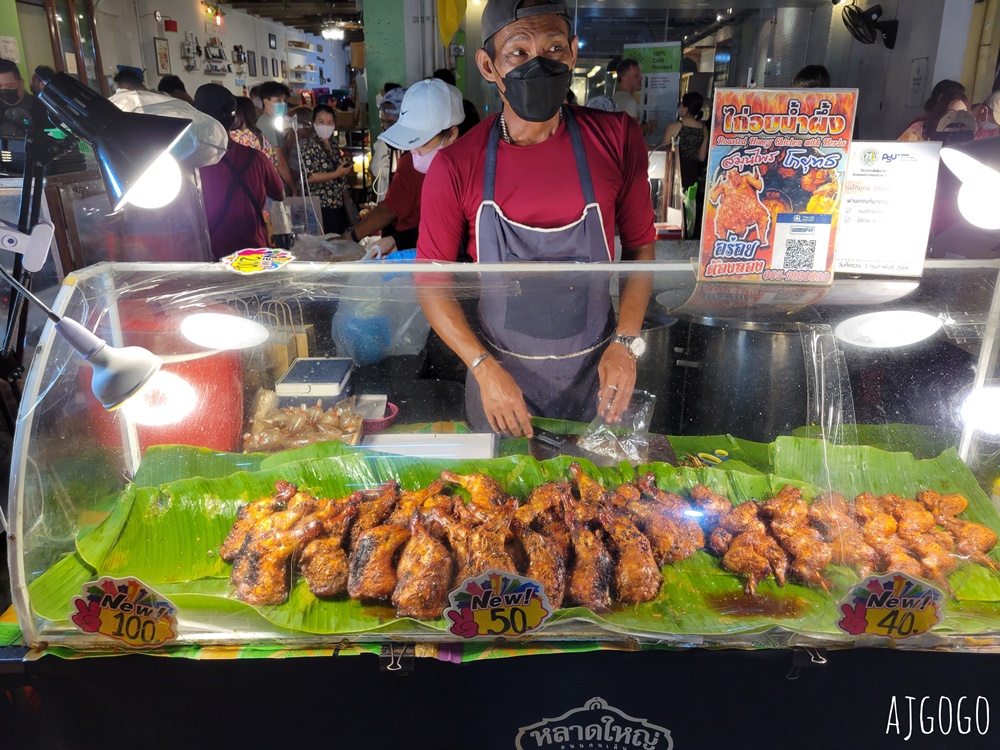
(546, 564)
(936, 561)
(624, 494)
(486, 496)
(413, 500)
(744, 557)
(689, 536)
(637, 578)
(544, 513)
(592, 569)
(250, 557)
(893, 557)
(424, 575)
(831, 515)
(247, 518)
(443, 522)
(488, 544)
(374, 510)
(866, 506)
(592, 493)
(942, 507)
(912, 519)
(323, 561)
(373, 563)
(973, 540)
(265, 564)
(720, 540)
(709, 504)
(790, 525)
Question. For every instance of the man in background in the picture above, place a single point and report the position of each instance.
(42, 74)
(630, 84)
(17, 106)
(128, 79)
(274, 100)
(174, 86)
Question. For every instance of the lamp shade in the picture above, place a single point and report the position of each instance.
(977, 165)
(126, 144)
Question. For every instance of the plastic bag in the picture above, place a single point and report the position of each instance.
(628, 438)
(326, 248)
(386, 321)
(202, 145)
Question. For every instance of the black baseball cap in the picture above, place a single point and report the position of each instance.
(500, 13)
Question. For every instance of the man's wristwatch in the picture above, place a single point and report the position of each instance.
(635, 345)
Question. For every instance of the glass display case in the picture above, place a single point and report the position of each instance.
(806, 445)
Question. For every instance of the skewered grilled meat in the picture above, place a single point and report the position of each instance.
(637, 578)
(790, 525)
(373, 564)
(912, 519)
(830, 514)
(424, 575)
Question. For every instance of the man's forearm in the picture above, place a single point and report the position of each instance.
(448, 320)
(377, 219)
(635, 292)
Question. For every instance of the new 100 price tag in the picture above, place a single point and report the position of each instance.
(497, 604)
(125, 610)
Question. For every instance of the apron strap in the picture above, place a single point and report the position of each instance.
(490, 173)
(579, 152)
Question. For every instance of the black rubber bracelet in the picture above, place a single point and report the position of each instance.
(354, 236)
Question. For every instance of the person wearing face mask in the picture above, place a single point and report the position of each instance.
(236, 188)
(385, 158)
(429, 116)
(541, 181)
(274, 100)
(17, 107)
(325, 170)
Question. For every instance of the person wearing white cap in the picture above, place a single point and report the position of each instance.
(429, 116)
(541, 181)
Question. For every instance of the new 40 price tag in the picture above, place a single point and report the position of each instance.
(497, 604)
(892, 606)
(125, 610)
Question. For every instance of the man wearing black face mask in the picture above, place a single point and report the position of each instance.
(541, 181)
(17, 107)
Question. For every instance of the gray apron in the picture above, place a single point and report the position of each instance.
(551, 333)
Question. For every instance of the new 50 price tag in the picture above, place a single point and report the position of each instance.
(892, 606)
(497, 604)
(125, 610)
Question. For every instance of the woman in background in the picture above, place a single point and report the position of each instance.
(691, 135)
(924, 130)
(245, 131)
(325, 170)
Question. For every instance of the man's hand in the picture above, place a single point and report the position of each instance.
(617, 375)
(503, 401)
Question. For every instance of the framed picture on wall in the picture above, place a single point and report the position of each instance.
(274, 67)
(162, 52)
(272, 41)
(263, 66)
(284, 70)
(251, 63)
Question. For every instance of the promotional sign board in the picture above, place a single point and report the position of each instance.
(660, 65)
(885, 214)
(776, 168)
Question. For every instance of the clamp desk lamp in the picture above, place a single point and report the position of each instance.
(133, 154)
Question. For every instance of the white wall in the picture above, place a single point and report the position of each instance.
(116, 26)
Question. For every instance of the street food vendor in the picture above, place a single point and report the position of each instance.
(541, 181)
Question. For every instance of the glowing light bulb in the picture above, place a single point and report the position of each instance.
(219, 331)
(158, 186)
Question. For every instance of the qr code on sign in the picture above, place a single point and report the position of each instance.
(799, 254)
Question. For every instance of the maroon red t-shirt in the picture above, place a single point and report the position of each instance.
(403, 196)
(538, 185)
(237, 226)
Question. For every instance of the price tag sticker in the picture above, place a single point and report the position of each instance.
(892, 606)
(125, 610)
(497, 604)
(257, 260)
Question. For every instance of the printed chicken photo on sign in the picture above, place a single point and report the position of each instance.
(740, 214)
(776, 167)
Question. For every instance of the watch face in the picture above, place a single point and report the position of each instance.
(638, 347)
